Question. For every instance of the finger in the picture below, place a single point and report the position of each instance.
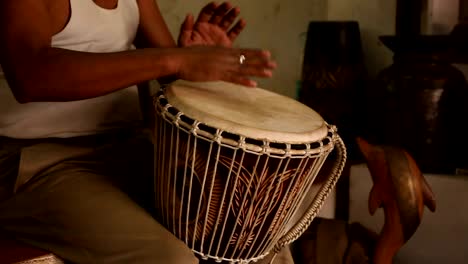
(207, 12)
(254, 71)
(253, 66)
(257, 57)
(188, 23)
(258, 62)
(186, 30)
(236, 29)
(240, 80)
(220, 13)
(229, 18)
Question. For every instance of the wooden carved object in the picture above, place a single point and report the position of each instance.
(401, 189)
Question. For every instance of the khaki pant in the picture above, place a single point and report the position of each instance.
(84, 200)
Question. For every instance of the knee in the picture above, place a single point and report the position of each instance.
(145, 251)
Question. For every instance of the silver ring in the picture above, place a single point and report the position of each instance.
(242, 59)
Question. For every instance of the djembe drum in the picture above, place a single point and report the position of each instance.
(235, 164)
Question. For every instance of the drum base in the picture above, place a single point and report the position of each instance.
(284, 257)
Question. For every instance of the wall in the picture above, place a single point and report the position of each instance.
(275, 25)
(376, 18)
(279, 25)
(442, 236)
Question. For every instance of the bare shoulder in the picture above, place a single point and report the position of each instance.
(20, 13)
(10, 8)
(50, 14)
(25, 28)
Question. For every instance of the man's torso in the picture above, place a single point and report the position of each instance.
(85, 26)
(59, 11)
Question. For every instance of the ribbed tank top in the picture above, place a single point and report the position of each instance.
(90, 28)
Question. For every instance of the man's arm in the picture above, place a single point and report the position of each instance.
(38, 72)
(153, 31)
(215, 27)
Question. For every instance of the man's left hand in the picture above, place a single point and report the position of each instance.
(214, 26)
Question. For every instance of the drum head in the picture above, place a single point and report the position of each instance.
(251, 112)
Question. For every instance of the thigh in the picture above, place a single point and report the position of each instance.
(9, 160)
(84, 217)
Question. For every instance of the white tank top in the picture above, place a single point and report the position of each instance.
(90, 29)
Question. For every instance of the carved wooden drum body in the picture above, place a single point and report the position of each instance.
(234, 165)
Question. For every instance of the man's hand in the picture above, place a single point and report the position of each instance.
(214, 63)
(214, 26)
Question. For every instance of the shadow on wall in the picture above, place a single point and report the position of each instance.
(376, 55)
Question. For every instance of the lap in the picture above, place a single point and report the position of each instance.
(76, 209)
(74, 205)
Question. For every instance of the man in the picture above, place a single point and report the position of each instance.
(71, 155)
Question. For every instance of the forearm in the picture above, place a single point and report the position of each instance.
(63, 75)
(144, 88)
(153, 31)
(141, 43)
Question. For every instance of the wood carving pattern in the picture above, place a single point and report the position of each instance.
(401, 189)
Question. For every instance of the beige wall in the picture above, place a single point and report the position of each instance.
(376, 18)
(279, 25)
(275, 25)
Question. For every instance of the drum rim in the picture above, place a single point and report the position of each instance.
(302, 124)
(259, 146)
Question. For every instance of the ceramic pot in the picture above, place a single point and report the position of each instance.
(420, 103)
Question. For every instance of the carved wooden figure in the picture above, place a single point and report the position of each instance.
(401, 189)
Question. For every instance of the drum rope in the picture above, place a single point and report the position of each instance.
(271, 204)
(223, 198)
(231, 198)
(300, 227)
(248, 221)
(243, 215)
(317, 164)
(189, 125)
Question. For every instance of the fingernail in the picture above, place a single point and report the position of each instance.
(271, 65)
